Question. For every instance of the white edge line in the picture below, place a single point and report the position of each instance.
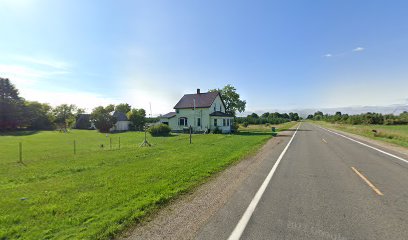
(239, 229)
(379, 150)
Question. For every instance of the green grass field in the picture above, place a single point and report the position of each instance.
(396, 134)
(266, 127)
(98, 192)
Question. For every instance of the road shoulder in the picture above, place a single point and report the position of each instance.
(184, 217)
(375, 143)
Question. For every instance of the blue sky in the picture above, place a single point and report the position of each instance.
(278, 54)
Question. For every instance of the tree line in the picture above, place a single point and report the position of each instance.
(271, 118)
(18, 113)
(364, 118)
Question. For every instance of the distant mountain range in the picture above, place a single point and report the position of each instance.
(390, 109)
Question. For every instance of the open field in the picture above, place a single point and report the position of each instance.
(266, 127)
(397, 134)
(98, 191)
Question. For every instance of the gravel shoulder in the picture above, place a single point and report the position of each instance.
(184, 217)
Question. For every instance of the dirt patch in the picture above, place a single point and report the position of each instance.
(183, 218)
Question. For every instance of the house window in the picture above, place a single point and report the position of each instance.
(220, 109)
(177, 111)
(183, 121)
(215, 122)
(228, 122)
(199, 122)
(223, 122)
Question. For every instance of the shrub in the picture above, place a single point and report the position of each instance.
(159, 130)
(216, 131)
(245, 124)
(234, 127)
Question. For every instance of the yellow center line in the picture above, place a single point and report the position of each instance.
(376, 190)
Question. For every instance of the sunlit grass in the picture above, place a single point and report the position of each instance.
(396, 134)
(99, 191)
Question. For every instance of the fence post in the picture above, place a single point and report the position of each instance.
(20, 147)
(110, 143)
(119, 142)
(190, 134)
(74, 147)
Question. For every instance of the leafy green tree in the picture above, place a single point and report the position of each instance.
(38, 116)
(11, 106)
(231, 98)
(65, 115)
(265, 115)
(138, 118)
(102, 118)
(123, 107)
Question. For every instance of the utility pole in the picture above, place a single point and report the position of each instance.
(195, 124)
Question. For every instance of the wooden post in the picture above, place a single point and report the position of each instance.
(20, 152)
(74, 147)
(190, 133)
(119, 142)
(110, 143)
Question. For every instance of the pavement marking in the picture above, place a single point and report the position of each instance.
(379, 150)
(240, 227)
(376, 190)
(323, 140)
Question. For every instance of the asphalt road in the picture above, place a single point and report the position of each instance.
(324, 187)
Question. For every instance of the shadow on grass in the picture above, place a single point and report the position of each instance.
(19, 133)
(255, 133)
(299, 130)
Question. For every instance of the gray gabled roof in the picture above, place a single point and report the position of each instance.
(202, 100)
(120, 116)
(169, 115)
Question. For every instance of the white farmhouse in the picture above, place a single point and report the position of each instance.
(122, 123)
(202, 111)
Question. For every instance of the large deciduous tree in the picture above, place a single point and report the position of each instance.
(102, 118)
(65, 115)
(11, 106)
(231, 98)
(38, 116)
(138, 118)
(123, 107)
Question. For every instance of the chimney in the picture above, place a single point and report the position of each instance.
(198, 91)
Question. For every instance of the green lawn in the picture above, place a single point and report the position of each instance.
(98, 192)
(397, 134)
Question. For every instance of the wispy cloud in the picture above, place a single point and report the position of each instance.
(87, 100)
(27, 75)
(358, 49)
(46, 62)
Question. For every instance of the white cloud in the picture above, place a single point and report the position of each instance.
(328, 55)
(87, 100)
(47, 62)
(22, 75)
(358, 49)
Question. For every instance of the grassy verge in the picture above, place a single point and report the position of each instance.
(99, 191)
(397, 134)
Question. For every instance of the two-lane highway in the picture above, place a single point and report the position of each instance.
(321, 186)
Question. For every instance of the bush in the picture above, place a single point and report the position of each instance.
(245, 124)
(159, 130)
(216, 131)
(234, 127)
